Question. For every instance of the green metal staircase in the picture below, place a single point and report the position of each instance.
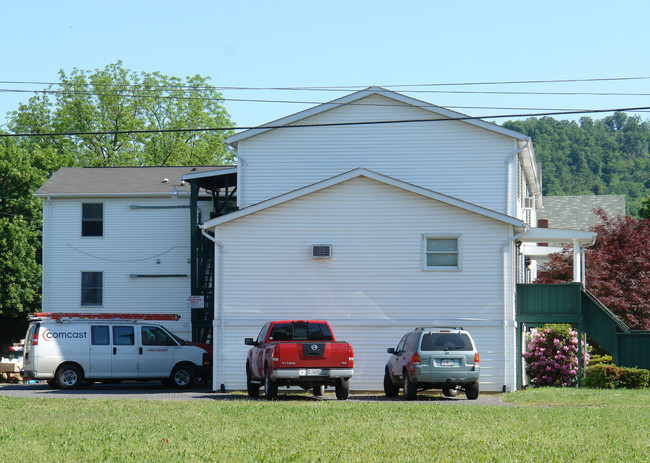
(538, 304)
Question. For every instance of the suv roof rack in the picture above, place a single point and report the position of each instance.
(422, 328)
(103, 316)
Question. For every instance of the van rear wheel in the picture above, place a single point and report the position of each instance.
(69, 376)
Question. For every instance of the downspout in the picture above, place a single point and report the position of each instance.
(218, 298)
(507, 296)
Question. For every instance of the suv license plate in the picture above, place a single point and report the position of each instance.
(447, 363)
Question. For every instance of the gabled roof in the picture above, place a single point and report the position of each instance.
(293, 119)
(525, 148)
(117, 181)
(355, 173)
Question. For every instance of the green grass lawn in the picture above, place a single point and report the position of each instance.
(545, 425)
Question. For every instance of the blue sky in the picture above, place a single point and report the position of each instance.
(257, 44)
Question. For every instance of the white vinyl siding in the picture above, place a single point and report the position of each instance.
(373, 288)
(134, 241)
(450, 157)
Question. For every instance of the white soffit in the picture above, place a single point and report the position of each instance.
(556, 235)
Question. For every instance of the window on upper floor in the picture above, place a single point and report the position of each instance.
(441, 253)
(92, 219)
(91, 288)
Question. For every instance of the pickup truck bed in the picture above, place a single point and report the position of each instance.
(298, 353)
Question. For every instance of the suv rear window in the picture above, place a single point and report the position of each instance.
(445, 341)
(300, 332)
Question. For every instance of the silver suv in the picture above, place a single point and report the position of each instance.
(434, 357)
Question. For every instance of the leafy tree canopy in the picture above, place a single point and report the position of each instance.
(609, 156)
(617, 268)
(115, 99)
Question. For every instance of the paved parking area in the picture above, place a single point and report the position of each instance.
(155, 391)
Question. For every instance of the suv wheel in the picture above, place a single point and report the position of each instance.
(389, 388)
(410, 392)
(471, 391)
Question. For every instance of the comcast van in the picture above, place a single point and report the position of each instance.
(68, 350)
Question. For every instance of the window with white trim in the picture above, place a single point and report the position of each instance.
(92, 219)
(91, 288)
(441, 253)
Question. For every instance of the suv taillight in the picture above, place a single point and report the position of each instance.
(475, 358)
(415, 359)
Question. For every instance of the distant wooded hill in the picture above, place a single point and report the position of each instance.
(609, 156)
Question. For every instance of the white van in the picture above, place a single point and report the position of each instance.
(68, 350)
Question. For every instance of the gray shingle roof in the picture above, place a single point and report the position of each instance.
(85, 181)
(577, 212)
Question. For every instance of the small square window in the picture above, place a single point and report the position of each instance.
(441, 253)
(92, 219)
(91, 288)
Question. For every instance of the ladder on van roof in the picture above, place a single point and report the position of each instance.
(104, 316)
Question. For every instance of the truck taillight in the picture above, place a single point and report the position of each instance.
(350, 354)
(276, 353)
(475, 358)
(415, 360)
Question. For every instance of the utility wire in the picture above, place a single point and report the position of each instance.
(332, 124)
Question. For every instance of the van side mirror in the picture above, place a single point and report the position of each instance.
(390, 350)
(250, 342)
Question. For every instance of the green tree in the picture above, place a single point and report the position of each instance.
(606, 156)
(644, 212)
(22, 171)
(115, 99)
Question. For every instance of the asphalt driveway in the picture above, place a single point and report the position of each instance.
(155, 391)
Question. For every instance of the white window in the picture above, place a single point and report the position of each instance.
(91, 288)
(441, 253)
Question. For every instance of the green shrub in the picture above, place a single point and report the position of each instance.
(603, 376)
(600, 360)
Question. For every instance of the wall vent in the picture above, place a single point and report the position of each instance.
(321, 251)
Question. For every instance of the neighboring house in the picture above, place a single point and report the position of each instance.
(118, 240)
(577, 212)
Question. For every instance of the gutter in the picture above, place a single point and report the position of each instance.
(219, 308)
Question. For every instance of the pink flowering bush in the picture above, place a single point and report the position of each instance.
(552, 357)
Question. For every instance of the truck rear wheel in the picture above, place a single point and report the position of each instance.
(252, 388)
(343, 389)
(270, 386)
(69, 376)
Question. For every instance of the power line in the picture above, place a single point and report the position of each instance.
(332, 124)
(352, 87)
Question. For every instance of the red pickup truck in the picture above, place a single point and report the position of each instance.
(298, 353)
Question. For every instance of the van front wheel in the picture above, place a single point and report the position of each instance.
(182, 376)
(68, 376)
